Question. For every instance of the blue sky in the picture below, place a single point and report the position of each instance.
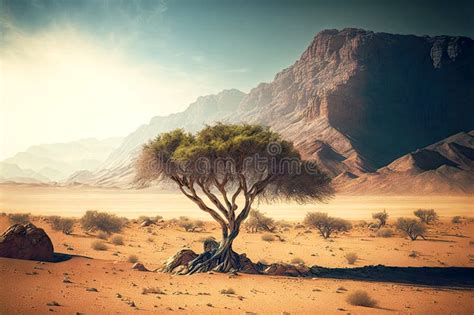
(69, 62)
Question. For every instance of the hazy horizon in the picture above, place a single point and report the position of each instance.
(100, 69)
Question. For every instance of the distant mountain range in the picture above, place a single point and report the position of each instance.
(371, 108)
(56, 162)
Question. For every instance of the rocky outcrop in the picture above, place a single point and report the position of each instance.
(179, 261)
(26, 242)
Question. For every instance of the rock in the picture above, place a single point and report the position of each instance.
(92, 290)
(53, 303)
(146, 222)
(26, 242)
(181, 258)
(139, 266)
(210, 245)
(279, 269)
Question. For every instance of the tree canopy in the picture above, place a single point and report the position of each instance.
(222, 163)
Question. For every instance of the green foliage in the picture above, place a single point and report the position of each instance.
(325, 224)
(426, 216)
(411, 227)
(94, 220)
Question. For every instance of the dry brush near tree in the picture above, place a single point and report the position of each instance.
(223, 163)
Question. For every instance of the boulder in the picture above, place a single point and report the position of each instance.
(146, 222)
(279, 269)
(26, 242)
(181, 258)
(139, 266)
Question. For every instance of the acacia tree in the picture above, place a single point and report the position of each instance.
(223, 169)
(381, 217)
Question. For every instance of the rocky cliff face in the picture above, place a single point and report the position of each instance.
(372, 96)
(355, 101)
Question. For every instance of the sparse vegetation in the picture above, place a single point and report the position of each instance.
(361, 298)
(98, 245)
(385, 232)
(427, 216)
(102, 221)
(227, 291)
(258, 221)
(351, 258)
(325, 224)
(267, 237)
(456, 219)
(102, 235)
(19, 218)
(412, 228)
(152, 290)
(225, 181)
(64, 225)
(117, 240)
(132, 259)
(381, 217)
(190, 225)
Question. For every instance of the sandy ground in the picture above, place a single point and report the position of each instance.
(73, 201)
(27, 286)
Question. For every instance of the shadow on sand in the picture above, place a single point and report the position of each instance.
(60, 257)
(453, 277)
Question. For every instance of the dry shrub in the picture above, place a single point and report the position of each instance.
(190, 226)
(268, 237)
(150, 240)
(102, 235)
(132, 259)
(361, 298)
(117, 240)
(152, 290)
(102, 221)
(297, 261)
(351, 258)
(19, 218)
(257, 221)
(426, 216)
(64, 225)
(412, 228)
(381, 217)
(98, 245)
(325, 224)
(385, 232)
(227, 291)
(456, 219)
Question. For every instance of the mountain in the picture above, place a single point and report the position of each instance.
(117, 169)
(444, 167)
(355, 101)
(55, 162)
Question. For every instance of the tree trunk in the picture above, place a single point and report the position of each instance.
(224, 259)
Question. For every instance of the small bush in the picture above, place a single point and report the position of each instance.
(381, 217)
(412, 228)
(102, 235)
(385, 232)
(150, 240)
(268, 237)
(456, 220)
(297, 261)
(351, 258)
(361, 298)
(64, 225)
(227, 291)
(152, 290)
(132, 259)
(257, 221)
(98, 245)
(191, 226)
(325, 224)
(19, 218)
(106, 222)
(117, 240)
(426, 216)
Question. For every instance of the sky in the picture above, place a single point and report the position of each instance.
(75, 69)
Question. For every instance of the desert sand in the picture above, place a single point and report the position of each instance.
(28, 287)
